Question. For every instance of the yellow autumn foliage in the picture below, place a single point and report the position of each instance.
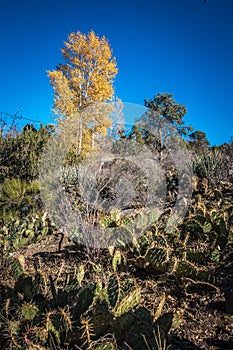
(82, 87)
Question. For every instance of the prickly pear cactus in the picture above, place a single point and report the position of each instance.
(116, 260)
(186, 269)
(18, 265)
(157, 257)
(24, 285)
(113, 290)
(29, 311)
(106, 346)
(128, 302)
(85, 298)
(40, 283)
(80, 274)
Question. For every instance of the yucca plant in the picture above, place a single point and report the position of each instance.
(19, 195)
(210, 164)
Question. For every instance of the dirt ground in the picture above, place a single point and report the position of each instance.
(200, 318)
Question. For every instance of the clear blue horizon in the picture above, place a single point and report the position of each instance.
(184, 47)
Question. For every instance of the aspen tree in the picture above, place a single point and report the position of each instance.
(82, 86)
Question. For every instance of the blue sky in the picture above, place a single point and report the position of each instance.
(184, 47)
